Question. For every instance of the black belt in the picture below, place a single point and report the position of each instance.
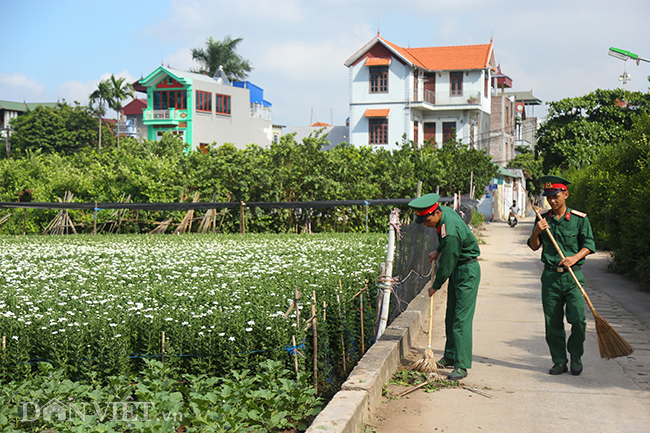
(464, 262)
(562, 269)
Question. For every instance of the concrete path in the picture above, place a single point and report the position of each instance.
(511, 359)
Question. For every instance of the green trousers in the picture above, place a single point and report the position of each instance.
(559, 291)
(462, 291)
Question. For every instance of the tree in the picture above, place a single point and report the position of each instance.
(119, 91)
(62, 129)
(222, 53)
(527, 160)
(577, 129)
(100, 96)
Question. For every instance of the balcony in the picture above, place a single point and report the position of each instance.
(445, 100)
(163, 117)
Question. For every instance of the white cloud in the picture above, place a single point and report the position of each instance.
(17, 87)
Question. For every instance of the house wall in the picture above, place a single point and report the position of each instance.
(239, 128)
(502, 140)
(394, 99)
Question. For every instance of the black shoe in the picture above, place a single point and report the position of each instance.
(576, 365)
(558, 368)
(457, 374)
(444, 362)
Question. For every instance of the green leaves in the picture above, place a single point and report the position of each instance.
(578, 129)
(160, 403)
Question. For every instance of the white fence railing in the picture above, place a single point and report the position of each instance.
(471, 97)
(170, 114)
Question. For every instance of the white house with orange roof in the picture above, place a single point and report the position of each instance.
(428, 94)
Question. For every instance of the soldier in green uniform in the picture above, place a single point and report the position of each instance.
(572, 231)
(458, 252)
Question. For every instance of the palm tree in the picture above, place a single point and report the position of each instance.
(119, 92)
(101, 96)
(222, 53)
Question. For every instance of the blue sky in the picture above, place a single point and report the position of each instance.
(54, 50)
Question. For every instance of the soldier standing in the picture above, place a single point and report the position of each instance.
(572, 231)
(458, 251)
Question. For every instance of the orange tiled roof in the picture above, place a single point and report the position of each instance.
(459, 57)
(320, 124)
(377, 112)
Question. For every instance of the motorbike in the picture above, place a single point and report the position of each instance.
(512, 221)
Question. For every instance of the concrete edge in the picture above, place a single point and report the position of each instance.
(351, 407)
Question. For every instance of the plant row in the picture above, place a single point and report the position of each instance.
(99, 306)
(163, 171)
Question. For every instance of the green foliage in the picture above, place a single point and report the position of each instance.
(64, 129)
(162, 171)
(222, 53)
(577, 129)
(160, 399)
(533, 166)
(477, 220)
(615, 192)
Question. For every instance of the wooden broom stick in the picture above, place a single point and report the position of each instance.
(610, 343)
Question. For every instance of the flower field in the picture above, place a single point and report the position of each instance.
(100, 305)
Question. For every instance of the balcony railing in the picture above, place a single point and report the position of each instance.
(170, 114)
(471, 97)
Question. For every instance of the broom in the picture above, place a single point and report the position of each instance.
(610, 343)
(428, 364)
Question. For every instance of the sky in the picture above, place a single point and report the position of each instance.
(59, 50)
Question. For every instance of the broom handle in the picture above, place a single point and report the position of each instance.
(433, 273)
(557, 247)
(430, 319)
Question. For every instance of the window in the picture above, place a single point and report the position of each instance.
(448, 131)
(203, 101)
(456, 83)
(170, 99)
(222, 104)
(378, 131)
(379, 79)
(416, 132)
(430, 132)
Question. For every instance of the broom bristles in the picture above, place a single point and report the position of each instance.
(427, 364)
(610, 343)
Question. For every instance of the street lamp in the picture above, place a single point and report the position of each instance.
(624, 55)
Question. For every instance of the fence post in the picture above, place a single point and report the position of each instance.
(388, 276)
(242, 221)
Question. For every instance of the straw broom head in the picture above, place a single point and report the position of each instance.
(610, 343)
(427, 364)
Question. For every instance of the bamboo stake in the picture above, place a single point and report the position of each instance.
(610, 343)
(345, 368)
(296, 296)
(363, 343)
(313, 311)
(163, 347)
(4, 353)
(295, 354)
(95, 220)
(242, 221)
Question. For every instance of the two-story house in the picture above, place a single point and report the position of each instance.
(428, 94)
(202, 110)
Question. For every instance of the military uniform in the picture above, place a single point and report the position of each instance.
(572, 232)
(458, 263)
